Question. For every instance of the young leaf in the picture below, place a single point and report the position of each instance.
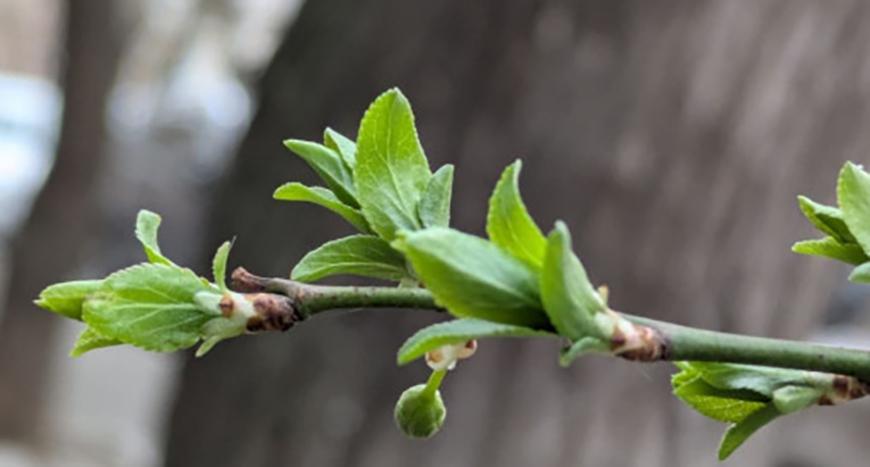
(91, 340)
(736, 434)
(329, 166)
(568, 297)
(509, 224)
(150, 306)
(321, 196)
(718, 404)
(218, 329)
(435, 205)
(458, 331)
(391, 170)
(789, 399)
(360, 255)
(580, 347)
(219, 265)
(760, 379)
(828, 219)
(853, 194)
(473, 278)
(147, 225)
(831, 248)
(67, 298)
(345, 147)
(861, 274)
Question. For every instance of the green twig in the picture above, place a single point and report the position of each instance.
(679, 342)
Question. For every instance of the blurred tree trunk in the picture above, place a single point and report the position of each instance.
(672, 137)
(63, 222)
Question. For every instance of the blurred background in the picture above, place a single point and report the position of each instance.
(672, 136)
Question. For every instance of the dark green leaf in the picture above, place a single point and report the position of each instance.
(736, 434)
(458, 331)
(329, 166)
(147, 225)
(67, 298)
(150, 306)
(509, 224)
(568, 297)
(828, 219)
(473, 278)
(321, 196)
(435, 205)
(360, 255)
(391, 169)
(831, 248)
(853, 194)
(342, 145)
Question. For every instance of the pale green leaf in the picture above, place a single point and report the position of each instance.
(789, 399)
(738, 433)
(853, 194)
(580, 347)
(391, 170)
(147, 225)
(473, 278)
(828, 219)
(329, 166)
(435, 205)
(359, 255)
(458, 331)
(509, 224)
(831, 248)
(344, 146)
(761, 379)
(150, 306)
(321, 196)
(89, 340)
(219, 265)
(67, 298)
(861, 274)
(568, 297)
(218, 329)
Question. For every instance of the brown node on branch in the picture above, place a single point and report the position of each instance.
(844, 389)
(244, 281)
(273, 313)
(639, 343)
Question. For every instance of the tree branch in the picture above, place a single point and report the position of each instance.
(662, 341)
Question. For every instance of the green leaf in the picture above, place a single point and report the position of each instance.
(67, 298)
(760, 379)
(150, 306)
(568, 297)
(457, 331)
(219, 265)
(861, 274)
(738, 433)
(329, 166)
(719, 404)
(828, 219)
(509, 224)
(360, 255)
(219, 329)
(91, 340)
(831, 248)
(391, 170)
(147, 225)
(321, 196)
(473, 278)
(789, 399)
(853, 194)
(435, 205)
(345, 147)
(580, 347)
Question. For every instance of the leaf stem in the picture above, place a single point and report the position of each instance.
(680, 342)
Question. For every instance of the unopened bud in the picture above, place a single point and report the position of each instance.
(420, 413)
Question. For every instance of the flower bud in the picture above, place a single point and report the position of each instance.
(420, 413)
